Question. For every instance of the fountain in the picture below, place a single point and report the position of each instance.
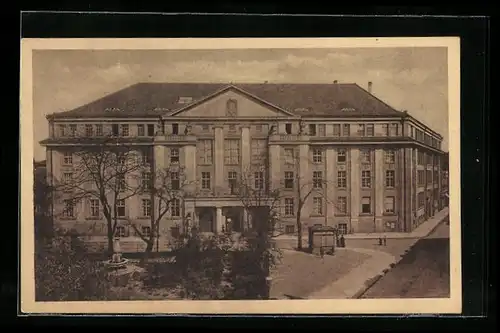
(117, 261)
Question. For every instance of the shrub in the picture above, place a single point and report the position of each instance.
(63, 272)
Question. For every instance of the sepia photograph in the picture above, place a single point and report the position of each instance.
(240, 175)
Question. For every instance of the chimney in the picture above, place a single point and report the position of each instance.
(335, 82)
(370, 86)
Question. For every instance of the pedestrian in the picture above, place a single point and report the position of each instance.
(342, 241)
(385, 240)
(380, 241)
(322, 252)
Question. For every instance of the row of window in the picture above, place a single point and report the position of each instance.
(341, 206)
(345, 129)
(317, 155)
(429, 175)
(94, 209)
(423, 137)
(423, 158)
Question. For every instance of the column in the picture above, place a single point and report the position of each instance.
(245, 151)
(330, 186)
(379, 189)
(219, 220)
(355, 186)
(305, 178)
(190, 164)
(219, 158)
(275, 166)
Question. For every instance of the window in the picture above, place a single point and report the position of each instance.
(290, 229)
(393, 130)
(370, 130)
(89, 130)
(258, 128)
(317, 179)
(258, 150)
(68, 158)
(429, 176)
(98, 130)
(420, 177)
(420, 158)
(124, 130)
(288, 128)
(174, 155)
(146, 231)
(341, 156)
(289, 156)
(146, 181)
(120, 208)
(366, 179)
(232, 181)
(205, 180)
(421, 199)
(146, 207)
(361, 130)
(389, 178)
(175, 181)
(151, 130)
(342, 205)
(114, 129)
(336, 129)
(366, 205)
(121, 231)
(385, 129)
(140, 130)
(289, 207)
(175, 208)
(312, 129)
(94, 208)
(205, 148)
(321, 129)
(317, 155)
(259, 180)
(121, 182)
(72, 129)
(366, 156)
(231, 152)
(341, 179)
(175, 129)
(342, 228)
(62, 130)
(346, 130)
(68, 177)
(69, 208)
(318, 206)
(288, 179)
(232, 128)
(389, 205)
(205, 127)
(390, 156)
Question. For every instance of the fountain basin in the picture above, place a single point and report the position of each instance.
(116, 265)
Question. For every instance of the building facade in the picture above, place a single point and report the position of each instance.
(361, 165)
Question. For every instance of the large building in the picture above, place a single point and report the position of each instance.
(362, 166)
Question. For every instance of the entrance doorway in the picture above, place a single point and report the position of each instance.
(206, 219)
(233, 218)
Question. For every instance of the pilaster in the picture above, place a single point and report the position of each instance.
(330, 185)
(379, 185)
(354, 179)
(275, 166)
(219, 220)
(305, 176)
(245, 149)
(190, 163)
(219, 157)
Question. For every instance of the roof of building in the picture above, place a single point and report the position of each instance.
(307, 100)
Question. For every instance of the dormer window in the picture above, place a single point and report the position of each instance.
(185, 100)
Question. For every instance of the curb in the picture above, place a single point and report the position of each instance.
(371, 281)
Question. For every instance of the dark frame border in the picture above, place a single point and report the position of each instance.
(474, 117)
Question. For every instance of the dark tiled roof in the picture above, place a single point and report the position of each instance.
(154, 99)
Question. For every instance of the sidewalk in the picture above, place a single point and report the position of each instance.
(421, 231)
(350, 284)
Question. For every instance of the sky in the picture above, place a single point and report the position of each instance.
(407, 78)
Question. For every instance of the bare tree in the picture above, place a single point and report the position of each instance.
(168, 186)
(106, 169)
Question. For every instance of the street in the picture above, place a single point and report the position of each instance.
(424, 272)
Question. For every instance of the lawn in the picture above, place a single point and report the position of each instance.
(301, 274)
(423, 272)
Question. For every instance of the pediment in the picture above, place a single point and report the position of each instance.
(232, 103)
